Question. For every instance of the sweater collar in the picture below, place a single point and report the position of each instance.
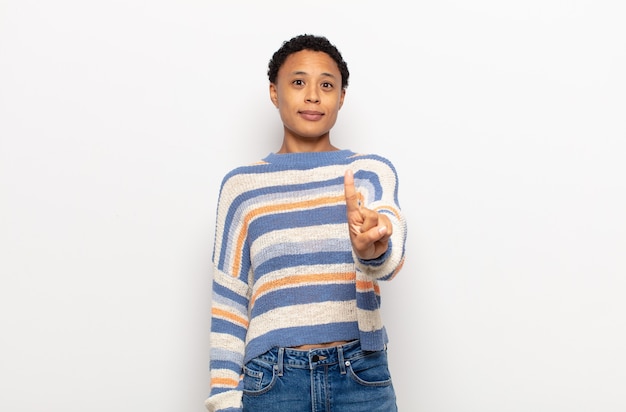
(308, 158)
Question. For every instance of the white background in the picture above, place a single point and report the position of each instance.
(506, 121)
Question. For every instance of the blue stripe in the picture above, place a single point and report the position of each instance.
(225, 355)
(299, 295)
(304, 259)
(368, 300)
(219, 325)
(220, 364)
(327, 215)
(374, 340)
(227, 294)
(364, 177)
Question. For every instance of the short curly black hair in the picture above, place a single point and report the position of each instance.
(307, 42)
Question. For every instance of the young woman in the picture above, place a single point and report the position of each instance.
(302, 238)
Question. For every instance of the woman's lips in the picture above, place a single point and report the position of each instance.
(311, 115)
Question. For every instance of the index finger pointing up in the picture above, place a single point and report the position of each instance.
(352, 196)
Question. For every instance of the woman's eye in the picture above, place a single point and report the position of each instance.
(326, 85)
(298, 82)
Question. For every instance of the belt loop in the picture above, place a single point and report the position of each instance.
(281, 352)
(342, 363)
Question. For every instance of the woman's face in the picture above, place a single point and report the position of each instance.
(308, 95)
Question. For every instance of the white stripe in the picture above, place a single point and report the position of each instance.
(224, 340)
(369, 320)
(224, 400)
(324, 238)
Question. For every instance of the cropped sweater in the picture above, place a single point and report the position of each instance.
(284, 272)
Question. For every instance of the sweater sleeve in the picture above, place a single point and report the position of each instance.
(378, 181)
(229, 322)
(229, 307)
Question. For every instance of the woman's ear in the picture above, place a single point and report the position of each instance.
(274, 94)
(343, 95)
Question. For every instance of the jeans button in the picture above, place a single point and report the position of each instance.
(315, 358)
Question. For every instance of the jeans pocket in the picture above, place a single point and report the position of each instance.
(258, 377)
(370, 370)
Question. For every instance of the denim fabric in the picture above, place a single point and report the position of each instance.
(338, 379)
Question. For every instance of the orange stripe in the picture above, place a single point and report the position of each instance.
(365, 285)
(299, 279)
(224, 382)
(228, 315)
(273, 209)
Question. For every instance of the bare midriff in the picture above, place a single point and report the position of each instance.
(321, 345)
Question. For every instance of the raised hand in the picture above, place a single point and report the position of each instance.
(369, 230)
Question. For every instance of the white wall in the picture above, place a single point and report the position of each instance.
(506, 121)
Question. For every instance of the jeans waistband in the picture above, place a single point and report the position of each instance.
(312, 358)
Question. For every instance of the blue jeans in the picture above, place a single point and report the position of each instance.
(338, 379)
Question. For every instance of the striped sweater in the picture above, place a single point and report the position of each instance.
(284, 273)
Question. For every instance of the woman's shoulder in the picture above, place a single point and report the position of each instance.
(374, 159)
(246, 169)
